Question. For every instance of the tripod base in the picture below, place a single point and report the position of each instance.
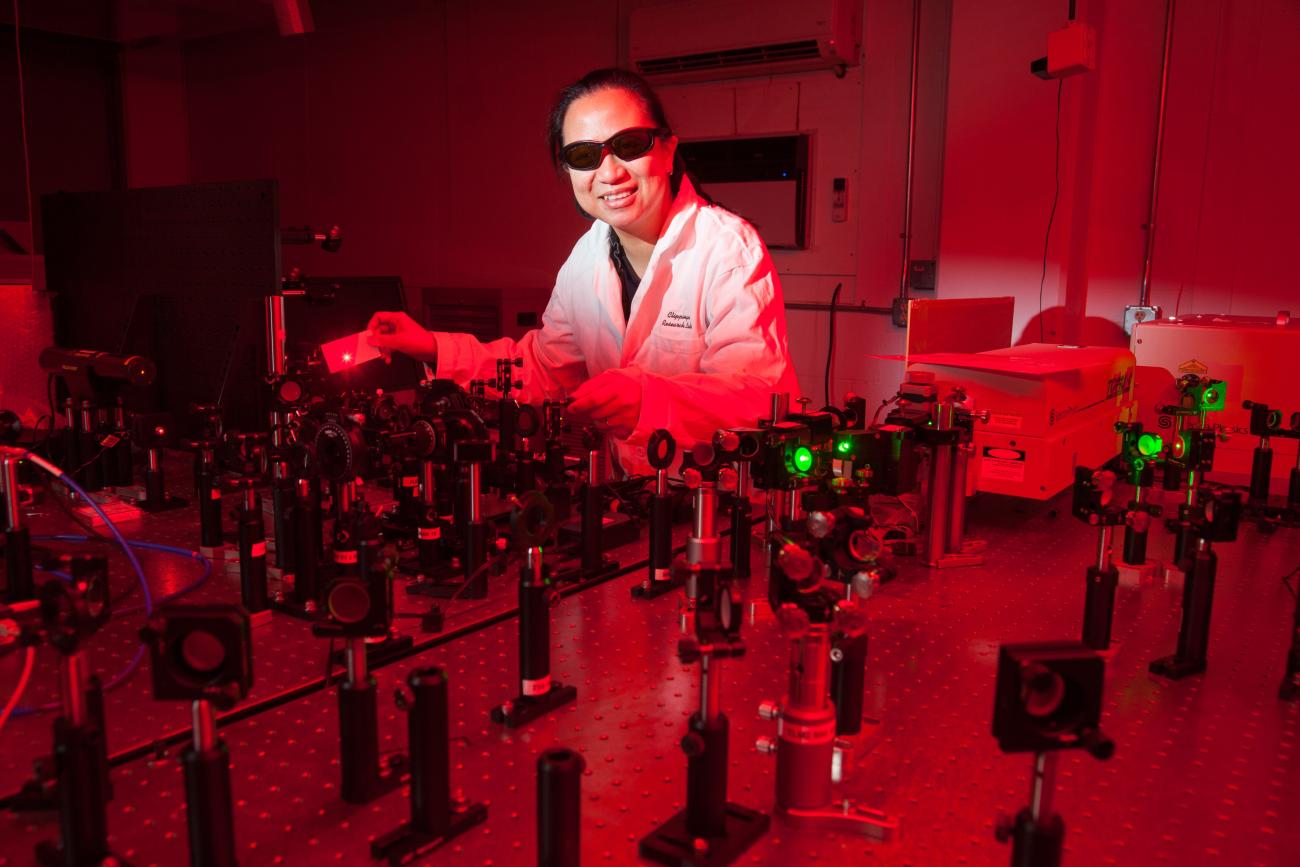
(219, 553)
(1131, 575)
(648, 589)
(1176, 669)
(167, 504)
(405, 844)
(847, 816)
(1033, 843)
(852, 749)
(969, 555)
(671, 843)
(309, 611)
(523, 709)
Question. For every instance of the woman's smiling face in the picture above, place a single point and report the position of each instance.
(633, 196)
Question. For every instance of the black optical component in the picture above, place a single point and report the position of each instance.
(1219, 514)
(74, 611)
(201, 652)
(360, 605)
(628, 144)
(1049, 697)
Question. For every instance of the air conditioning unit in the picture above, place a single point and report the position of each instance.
(712, 39)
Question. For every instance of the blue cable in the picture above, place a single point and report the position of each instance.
(131, 558)
(134, 664)
(148, 546)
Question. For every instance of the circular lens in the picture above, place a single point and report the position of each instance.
(202, 654)
(1042, 691)
(795, 562)
(583, 155)
(1150, 444)
(803, 459)
(844, 446)
(334, 452)
(290, 391)
(863, 546)
(632, 144)
(726, 609)
(1210, 397)
(348, 602)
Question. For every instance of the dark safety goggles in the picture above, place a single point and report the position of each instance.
(584, 156)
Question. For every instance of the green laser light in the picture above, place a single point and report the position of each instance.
(844, 447)
(803, 459)
(1150, 444)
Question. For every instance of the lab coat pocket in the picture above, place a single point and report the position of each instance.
(671, 354)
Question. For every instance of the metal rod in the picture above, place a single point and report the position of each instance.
(345, 494)
(1144, 294)
(275, 334)
(706, 512)
(957, 499)
(940, 491)
(427, 492)
(1040, 789)
(12, 500)
(809, 678)
(781, 404)
(475, 493)
(1103, 548)
(355, 654)
(704, 544)
(911, 148)
(204, 722)
(709, 708)
(72, 688)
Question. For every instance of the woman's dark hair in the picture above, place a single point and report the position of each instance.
(610, 78)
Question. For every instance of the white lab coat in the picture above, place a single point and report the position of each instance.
(707, 337)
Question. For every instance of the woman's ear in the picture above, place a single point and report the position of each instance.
(671, 144)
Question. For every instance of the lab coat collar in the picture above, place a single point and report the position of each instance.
(649, 295)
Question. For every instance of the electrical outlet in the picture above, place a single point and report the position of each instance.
(1134, 314)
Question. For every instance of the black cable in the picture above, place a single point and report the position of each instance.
(1056, 196)
(830, 349)
(498, 559)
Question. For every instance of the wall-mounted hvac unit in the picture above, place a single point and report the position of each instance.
(712, 39)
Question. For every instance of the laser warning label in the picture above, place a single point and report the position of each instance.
(1002, 464)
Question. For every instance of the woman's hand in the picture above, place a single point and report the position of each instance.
(395, 330)
(610, 400)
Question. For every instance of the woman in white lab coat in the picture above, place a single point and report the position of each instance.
(668, 312)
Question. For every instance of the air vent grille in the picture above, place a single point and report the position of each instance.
(755, 55)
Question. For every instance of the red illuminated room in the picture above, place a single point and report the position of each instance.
(681, 432)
